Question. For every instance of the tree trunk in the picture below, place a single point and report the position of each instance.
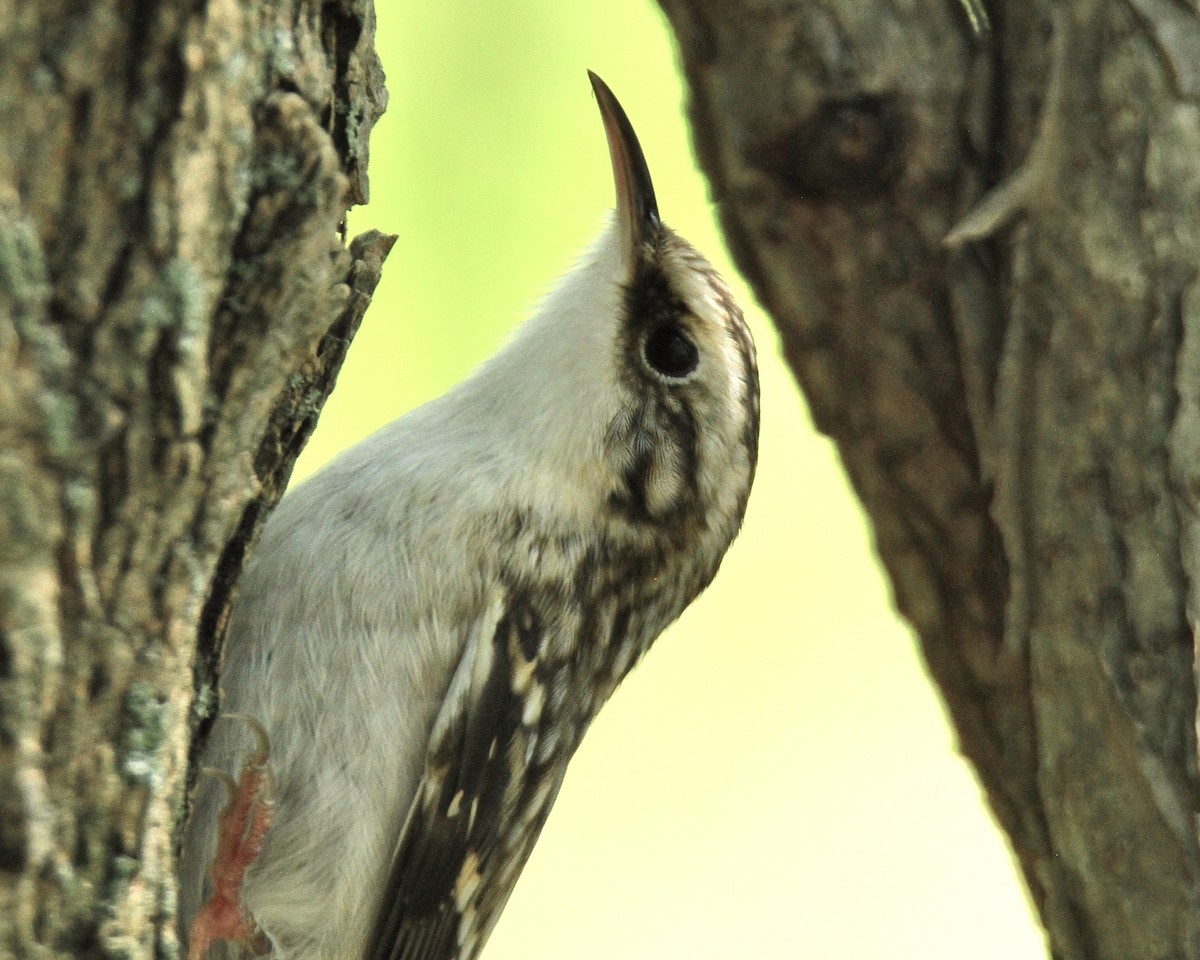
(1018, 406)
(175, 303)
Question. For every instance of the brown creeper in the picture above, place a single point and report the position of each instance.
(431, 622)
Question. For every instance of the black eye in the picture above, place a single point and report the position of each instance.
(670, 352)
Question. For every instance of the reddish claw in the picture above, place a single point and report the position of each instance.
(241, 829)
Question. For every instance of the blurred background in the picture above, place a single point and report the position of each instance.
(777, 778)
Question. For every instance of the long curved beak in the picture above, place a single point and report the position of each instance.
(637, 210)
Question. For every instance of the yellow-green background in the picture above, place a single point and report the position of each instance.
(777, 778)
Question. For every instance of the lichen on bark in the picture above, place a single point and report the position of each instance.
(175, 302)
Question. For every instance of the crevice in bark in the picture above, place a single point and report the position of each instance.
(180, 303)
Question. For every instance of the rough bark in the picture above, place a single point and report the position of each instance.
(175, 302)
(1019, 409)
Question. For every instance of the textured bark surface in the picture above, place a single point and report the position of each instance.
(1018, 411)
(175, 302)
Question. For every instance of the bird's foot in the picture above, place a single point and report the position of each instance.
(241, 829)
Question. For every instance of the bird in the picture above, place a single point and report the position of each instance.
(430, 622)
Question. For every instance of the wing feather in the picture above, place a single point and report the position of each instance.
(483, 797)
